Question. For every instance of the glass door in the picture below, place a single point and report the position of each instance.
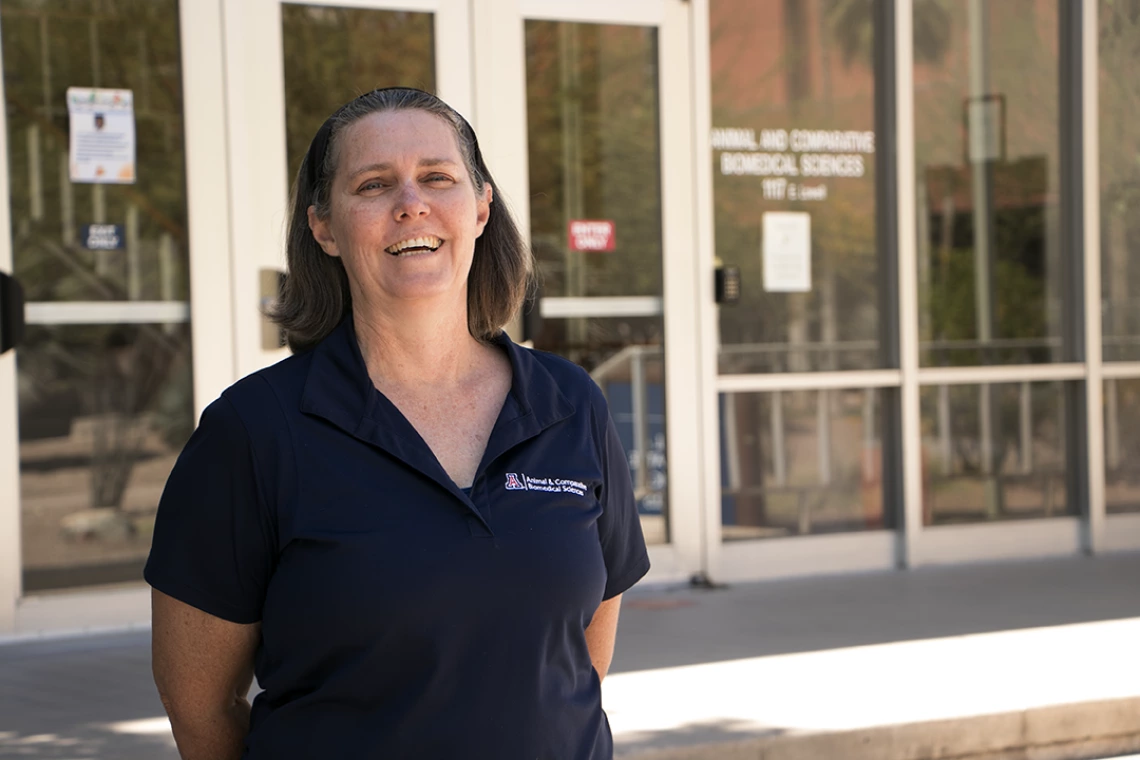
(99, 241)
(805, 359)
(610, 211)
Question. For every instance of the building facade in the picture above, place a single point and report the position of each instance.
(854, 275)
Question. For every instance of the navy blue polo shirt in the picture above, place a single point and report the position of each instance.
(400, 616)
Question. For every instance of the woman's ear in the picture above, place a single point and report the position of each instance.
(321, 232)
(483, 208)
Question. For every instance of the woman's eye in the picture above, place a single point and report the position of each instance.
(435, 178)
(372, 184)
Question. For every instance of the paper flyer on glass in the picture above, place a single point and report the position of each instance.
(102, 145)
(787, 252)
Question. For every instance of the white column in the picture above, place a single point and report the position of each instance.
(253, 113)
(908, 284)
(10, 559)
(455, 76)
(706, 323)
(1094, 384)
(10, 549)
(207, 200)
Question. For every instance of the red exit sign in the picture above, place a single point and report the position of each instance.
(591, 235)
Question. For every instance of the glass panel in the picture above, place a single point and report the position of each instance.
(801, 462)
(793, 99)
(1120, 179)
(988, 154)
(104, 411)
(46, 52)
(103, 408)
(595, 188)
(1122, 445)
(331, 55)
(994, 452)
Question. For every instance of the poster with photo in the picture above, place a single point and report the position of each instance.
(102, 145)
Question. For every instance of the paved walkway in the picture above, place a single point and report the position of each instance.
(700, 671)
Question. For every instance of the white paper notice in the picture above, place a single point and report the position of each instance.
(787, 252)
(984, 116)
(102, 135)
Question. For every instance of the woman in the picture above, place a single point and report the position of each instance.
(414, 532)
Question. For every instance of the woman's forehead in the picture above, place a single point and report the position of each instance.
(385, 138)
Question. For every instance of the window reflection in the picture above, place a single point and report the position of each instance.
(987, 146)
(1122, 445)
(801, 462)
(592, 112)
(104, 411)
(793, 99)
(47, 50)
(595, 167)
(994, 452)
(1119, 179)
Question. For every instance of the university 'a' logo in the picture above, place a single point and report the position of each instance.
(513, 482)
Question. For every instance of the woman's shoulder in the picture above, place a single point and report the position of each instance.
(571, 379)
(266, 393)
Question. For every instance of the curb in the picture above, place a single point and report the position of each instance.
(1082, 731)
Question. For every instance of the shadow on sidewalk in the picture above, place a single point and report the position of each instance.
(60, 698)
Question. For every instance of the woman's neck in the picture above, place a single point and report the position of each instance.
(417, 347)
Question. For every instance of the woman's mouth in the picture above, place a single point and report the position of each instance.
(415, 246)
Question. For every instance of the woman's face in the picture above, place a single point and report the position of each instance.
(403, 210)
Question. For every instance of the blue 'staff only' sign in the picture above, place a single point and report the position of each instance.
(101, 237)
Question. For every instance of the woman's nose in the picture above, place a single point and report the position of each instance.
(410, 201)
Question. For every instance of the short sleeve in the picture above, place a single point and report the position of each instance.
(619, 527)
(213, 544)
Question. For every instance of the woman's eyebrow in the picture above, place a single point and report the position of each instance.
(423, 162)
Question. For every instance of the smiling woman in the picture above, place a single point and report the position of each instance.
(424, 213)
(411, 495)
(317, 294)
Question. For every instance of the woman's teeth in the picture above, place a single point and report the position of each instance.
(414, 246)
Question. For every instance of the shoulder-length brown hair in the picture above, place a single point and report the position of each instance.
(315, 296)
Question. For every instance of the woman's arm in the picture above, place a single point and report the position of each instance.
(203, 667)
(601, 634)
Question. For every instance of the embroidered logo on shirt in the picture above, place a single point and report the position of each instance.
(524, 482)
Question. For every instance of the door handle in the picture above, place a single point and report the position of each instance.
(11, 312)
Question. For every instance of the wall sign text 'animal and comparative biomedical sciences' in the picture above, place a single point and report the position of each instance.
(778, 154)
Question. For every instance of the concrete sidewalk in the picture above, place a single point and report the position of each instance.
(1027, 660)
